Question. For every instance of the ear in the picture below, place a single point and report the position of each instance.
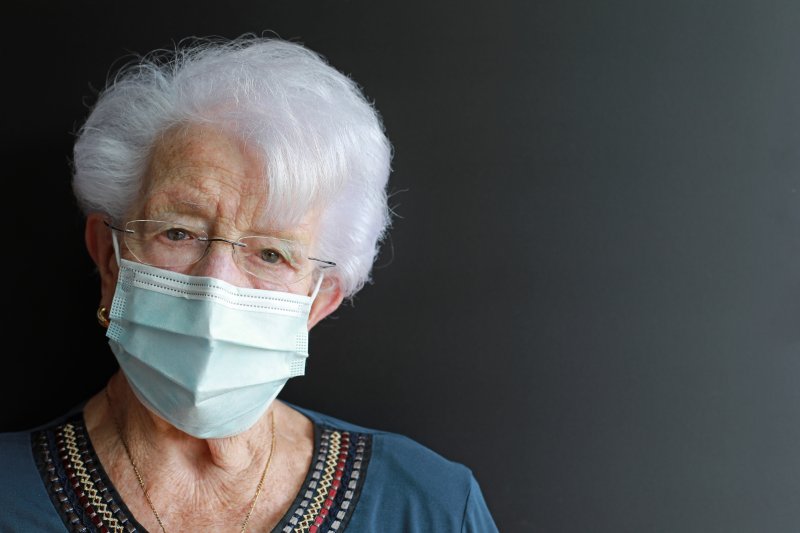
(101, 249)
(328, 299)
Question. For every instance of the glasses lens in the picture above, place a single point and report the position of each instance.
(169, 244)
(272, 259)
(164, 244)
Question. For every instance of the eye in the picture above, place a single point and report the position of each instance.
(177, 234)
(270, 255)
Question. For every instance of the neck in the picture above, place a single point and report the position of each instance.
(197, 484)
(153, 437)
(223, 472)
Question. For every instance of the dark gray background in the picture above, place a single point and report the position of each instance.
(590, 294)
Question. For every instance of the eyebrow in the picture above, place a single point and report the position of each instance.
(198, 209)
(179, 208)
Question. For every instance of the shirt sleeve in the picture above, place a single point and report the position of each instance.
(477, 518)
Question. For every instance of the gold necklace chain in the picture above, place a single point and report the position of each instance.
(141, 480)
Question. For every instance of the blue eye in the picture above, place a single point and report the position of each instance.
(271, 256)
(177, 234)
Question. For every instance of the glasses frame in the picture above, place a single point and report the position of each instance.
(322, 263)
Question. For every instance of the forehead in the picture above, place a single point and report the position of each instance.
(208, 172)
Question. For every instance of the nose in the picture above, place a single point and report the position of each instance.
(218, 262)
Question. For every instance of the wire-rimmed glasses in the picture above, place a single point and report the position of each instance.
(166, 244)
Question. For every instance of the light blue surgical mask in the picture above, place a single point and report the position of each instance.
(205, 355)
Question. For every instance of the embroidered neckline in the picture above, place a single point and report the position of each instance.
(88, 502)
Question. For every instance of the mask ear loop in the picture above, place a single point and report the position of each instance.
(116, 245)
(102, 313)
(316, 289)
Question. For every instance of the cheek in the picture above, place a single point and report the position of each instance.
(303, 287)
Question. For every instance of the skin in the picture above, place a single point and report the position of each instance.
(202, 484)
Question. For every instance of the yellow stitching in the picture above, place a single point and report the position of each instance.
(86, 481)
(324, 483)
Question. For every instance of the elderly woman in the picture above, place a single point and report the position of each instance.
(235, 195)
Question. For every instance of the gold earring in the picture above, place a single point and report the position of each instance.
(102, 316)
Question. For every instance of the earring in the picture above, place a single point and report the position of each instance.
(102, 316)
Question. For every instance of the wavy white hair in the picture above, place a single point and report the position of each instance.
(322, 143)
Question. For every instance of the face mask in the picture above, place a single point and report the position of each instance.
(205, 355)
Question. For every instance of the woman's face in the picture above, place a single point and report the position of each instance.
(204, 178)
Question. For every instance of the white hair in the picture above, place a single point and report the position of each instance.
(323, 144)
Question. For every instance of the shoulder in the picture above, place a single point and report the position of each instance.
(397, 452)
(410, 485)
(15, 448)
(26, 503)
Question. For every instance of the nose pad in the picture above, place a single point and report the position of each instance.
(219, 262)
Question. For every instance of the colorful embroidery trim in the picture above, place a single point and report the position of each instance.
(77, 484)
(334, 484)
(88, 502)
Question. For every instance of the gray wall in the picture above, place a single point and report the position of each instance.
(590, 295)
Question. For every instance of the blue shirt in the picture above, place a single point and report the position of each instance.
(360, 481)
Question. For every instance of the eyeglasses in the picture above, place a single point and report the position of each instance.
(166, 244)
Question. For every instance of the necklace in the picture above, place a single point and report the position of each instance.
(141, 480)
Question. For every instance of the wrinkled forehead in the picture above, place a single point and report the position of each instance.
(209, 173)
